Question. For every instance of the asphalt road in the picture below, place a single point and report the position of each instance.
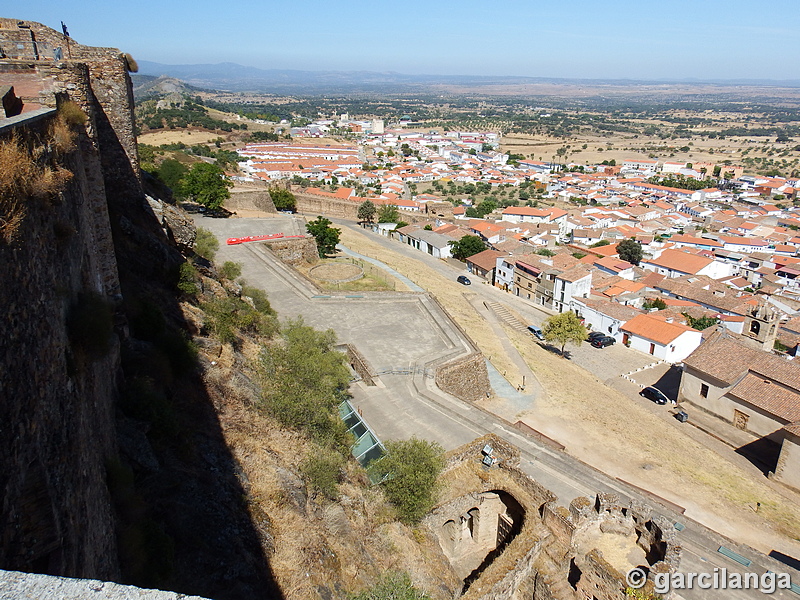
(401, 330)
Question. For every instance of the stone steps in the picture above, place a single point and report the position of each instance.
(505, 315)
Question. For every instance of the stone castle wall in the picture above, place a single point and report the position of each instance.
(56, 515)
(59, 391)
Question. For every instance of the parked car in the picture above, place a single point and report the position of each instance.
(536, 331)
(602, 342)
(654, 394)
(463, 279)
(593, 335)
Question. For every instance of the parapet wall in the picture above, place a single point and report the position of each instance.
(45, 587)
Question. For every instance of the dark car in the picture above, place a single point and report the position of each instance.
(654, 394)
(602, 342)
(463, 279)
(593, 335)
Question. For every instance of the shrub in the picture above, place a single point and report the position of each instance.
(410, 470)
(206, 244)
(304, 380)
(187, 279)
(72, 114)
(259, 298)
(323, 469)
(227, 317)
(231, 270)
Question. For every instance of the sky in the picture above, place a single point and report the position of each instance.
(591, 39)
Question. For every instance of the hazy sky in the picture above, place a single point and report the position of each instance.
(670, 39)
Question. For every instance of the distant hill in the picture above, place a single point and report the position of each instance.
(145, 86)
(239, 78)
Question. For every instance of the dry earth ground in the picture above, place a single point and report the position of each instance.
(174, 136)
(624, 146)
(609, 431)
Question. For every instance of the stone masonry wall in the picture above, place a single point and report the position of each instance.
(311, 204)
(57, 410)
(466, 378)
(250, 199)
(360, 365)
(297, 251)
(58, 396)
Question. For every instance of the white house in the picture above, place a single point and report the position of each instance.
(572, 283)
(676, 263)
(603, 315)
(663, 339)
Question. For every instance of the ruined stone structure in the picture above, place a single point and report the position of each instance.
(296, 251)
(440, 210)
(508, 536)
(466, 378)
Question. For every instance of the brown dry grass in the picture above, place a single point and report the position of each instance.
(449, 293)
(62, 136)
(621, 146)
(608, 430)
(17, 175)
(21, 179)
(186, 136)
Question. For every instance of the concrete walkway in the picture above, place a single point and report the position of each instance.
(411, 285)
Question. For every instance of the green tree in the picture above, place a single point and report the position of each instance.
(366, 211)
(563, 329)
(283, 199)
(206, 184)
(388, 213)
(600, 243)
(700, 323)
(410, 470)
(485, 207)
(630, 250)
(657, 303)
(326, 236)
(466, 247)
(172, 173)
